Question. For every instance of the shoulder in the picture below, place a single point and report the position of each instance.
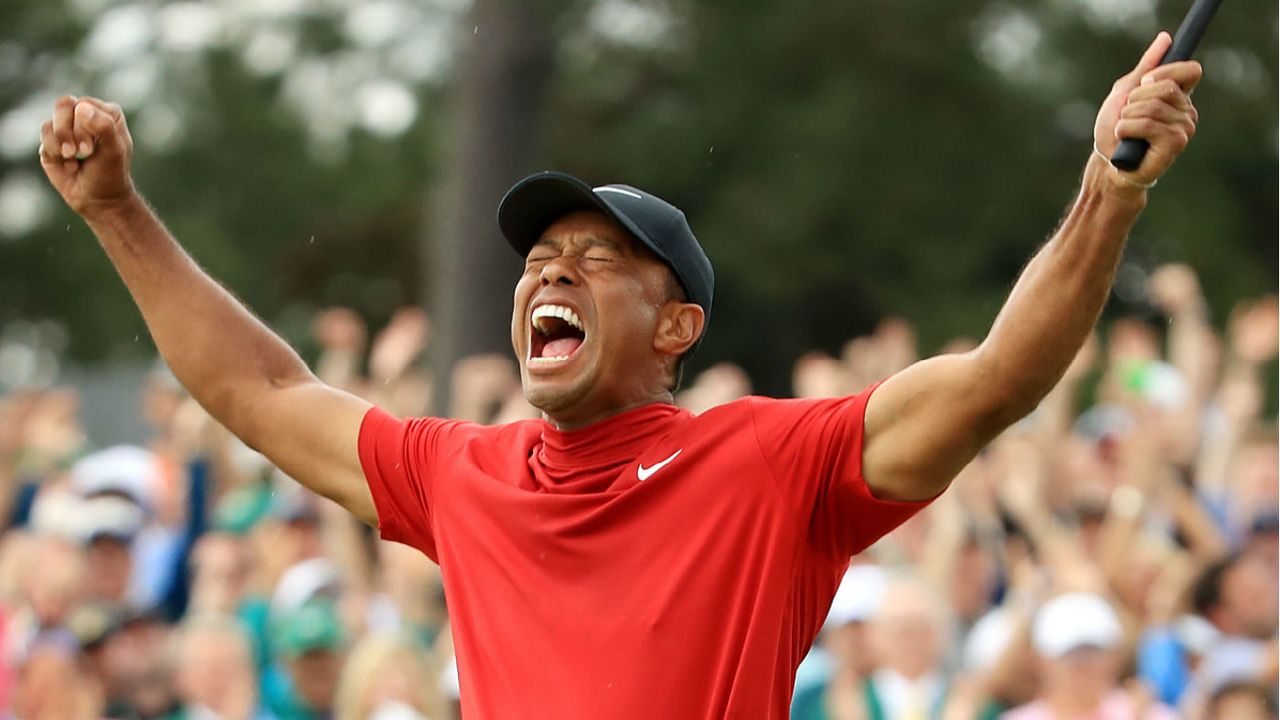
(794, 412)
(462, 429)
(759, 404)
(441, 436)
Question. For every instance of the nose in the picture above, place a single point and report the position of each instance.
(559, 271)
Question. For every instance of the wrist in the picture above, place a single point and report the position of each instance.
(1127, 502)
(1102, 177)
(1197, 310)
(117, 211)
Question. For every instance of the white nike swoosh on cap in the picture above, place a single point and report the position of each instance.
(644, 473)
(606, 188)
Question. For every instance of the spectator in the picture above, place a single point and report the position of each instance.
(214, 673)
(1242, 701)
(51, 682)
(909, 634)
(309, 643)
(1238, 596)
(389, 676)
(1079, 639)
(845, 640)
(112, 591)
(138, 669)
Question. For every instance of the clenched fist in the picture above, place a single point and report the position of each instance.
(1151, 102)
(85, 151)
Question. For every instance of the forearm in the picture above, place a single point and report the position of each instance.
(1205, 540)
(1061, 292)
(926, 422)
(212, 343)
(1190, 337)
(1059, 550)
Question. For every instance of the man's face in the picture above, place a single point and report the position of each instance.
(1249, 595)
(315, 677)
(850, 645)
(112, 567)
(907, 634)
(215, 669)
(586, 316)
(1087, 671)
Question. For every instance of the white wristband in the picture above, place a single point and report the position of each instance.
(1127, 502)
(1123, 178)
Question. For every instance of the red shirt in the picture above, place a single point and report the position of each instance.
(654, 565)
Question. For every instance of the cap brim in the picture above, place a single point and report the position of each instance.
(1094, 645)
(534, 203)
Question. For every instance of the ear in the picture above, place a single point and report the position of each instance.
(679, 327)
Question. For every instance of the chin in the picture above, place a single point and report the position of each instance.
(554, 396)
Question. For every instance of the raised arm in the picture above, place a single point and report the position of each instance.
(925, 423)
(233, 364)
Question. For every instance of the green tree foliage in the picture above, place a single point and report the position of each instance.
(293, 206)
(841, 161)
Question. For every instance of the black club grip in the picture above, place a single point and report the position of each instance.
(1129, 155)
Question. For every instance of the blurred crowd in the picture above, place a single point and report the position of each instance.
(1112, 556)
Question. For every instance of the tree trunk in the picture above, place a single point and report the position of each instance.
(503, 70)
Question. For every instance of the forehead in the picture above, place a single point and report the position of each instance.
(589, 227)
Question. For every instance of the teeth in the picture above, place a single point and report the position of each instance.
(554, 311)
(547, 360)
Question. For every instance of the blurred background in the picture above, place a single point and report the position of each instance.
(868, 178)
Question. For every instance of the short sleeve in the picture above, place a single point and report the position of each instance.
(396, 457)
(814, 450)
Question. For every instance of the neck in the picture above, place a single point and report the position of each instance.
(1073, 702)
(914, 675)
(571, 420)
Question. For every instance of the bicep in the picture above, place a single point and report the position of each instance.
(311, 431)
(926, 423)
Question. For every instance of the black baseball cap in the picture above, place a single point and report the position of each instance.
(532, 204)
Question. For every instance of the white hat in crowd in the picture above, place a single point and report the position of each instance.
(1075, 620)
(988, 639)
(71, 517)
(858, 596)
(127, 470)
(302, 582)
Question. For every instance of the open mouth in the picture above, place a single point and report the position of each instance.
(557, 335)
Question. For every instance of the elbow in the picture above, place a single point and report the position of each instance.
(996, 416)
(244, 408)
(1003, 396)
(1015, 406)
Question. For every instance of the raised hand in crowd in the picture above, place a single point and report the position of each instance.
(399, 344)
(718, 384)
(53, 434)
(1023, 494)
(341, 334)
(1175, 289)
(818, 375)
(1253, 327)
(395, 381)
(481, 386)
(889, 349)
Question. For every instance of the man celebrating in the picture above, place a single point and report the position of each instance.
(622, 558)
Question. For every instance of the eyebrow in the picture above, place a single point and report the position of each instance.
(590, 241)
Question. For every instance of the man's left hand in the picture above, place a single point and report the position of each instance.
(1152, 102)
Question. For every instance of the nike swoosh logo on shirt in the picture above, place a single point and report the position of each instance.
(644, 473)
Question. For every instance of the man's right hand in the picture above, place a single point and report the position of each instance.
(241, 372)
(85, 151)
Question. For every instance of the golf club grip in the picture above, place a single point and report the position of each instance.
(1129, 155)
